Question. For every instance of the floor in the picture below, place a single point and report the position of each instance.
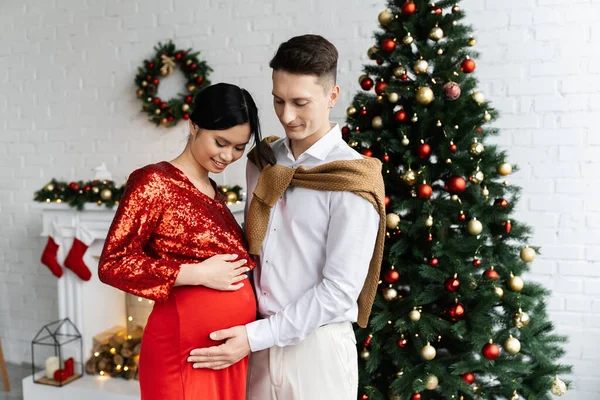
(16, 373)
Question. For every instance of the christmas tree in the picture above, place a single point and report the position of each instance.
(453, 318)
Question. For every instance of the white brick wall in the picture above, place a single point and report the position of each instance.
(67, 103)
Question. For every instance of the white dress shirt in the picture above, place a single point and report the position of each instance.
(316, 253)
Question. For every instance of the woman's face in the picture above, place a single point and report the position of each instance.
(215, 150)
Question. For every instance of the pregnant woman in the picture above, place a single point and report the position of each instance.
(173, 240)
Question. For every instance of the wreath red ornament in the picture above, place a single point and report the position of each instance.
(166, 60)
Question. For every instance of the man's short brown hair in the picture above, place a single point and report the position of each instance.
(307, 55)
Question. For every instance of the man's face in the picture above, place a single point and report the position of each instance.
(302, 104)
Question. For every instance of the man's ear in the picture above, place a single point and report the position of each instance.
(334, 95)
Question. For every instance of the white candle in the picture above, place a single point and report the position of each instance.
(52, 364)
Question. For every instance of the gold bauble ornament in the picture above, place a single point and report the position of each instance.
(385, 17)
(139, 93)
(95, 189)
(390, 294)
(106, 194)
(472, 42)
(191, 88)
(477, 177)
(485, 192)
(429, 221)
(515, 396)
(157, 111)
(440, 52)
(149, 99)
(558, 387)
(408, 39)
(231, 197)
(372, 52)
(392, 220)
(164, 72)
(144, 83)
(49, 187)
(414, 315)
(421, 66)
(399, 71)
(476, 148)
(164, 122)
(515, 283)
(185, 107)
(405, 142)
(478, 97)
(410, 177)
(474, 227)
(487, 116)
(365, 355)
(499, 291)
(414, 118)
(512, 345)
(431, 382)
(393, 97)
(377, 122)
(521, 319)
(436, 33)
(428, 352)
(350, 111)
(424, 95)
(188, 62)
(504, 169)
(527, 254)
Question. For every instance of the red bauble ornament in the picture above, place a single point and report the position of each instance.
(387, 200)
(380, 87)
(150, 65)
(188, 99)
(507, 226)
(402, 342)
(462, 216)
(453, 147)
(155, 81)
(388, 45)
(467, 66)
(178, 56)
(363, 111)
(163, 105)
(170, 118)
(452, 284)
(501, 203)
(433, 262)
(491, 274)
(430, 238)
(416, 396)
(401, 115)
(199, 79)
(455, 312)
(476, 262)
(88, 188)
(379, 61)
(367, 153)
(345, 130)
(368, 340)
(490, 351)
(404, 77)
(452, 90)
(156, 100)
(367, 84)
(468, 377)
(148, 77)
(186, 116)
(193, 67)
(424, 150)
(456, 185)
(437, 10)
(364, 397)
(386, 158)
(424, 191)
(409, 8)
(392, 276)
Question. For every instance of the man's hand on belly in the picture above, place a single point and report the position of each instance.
(235, 348)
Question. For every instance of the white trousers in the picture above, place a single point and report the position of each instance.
(322, 366)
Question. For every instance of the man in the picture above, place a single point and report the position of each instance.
(316, 244)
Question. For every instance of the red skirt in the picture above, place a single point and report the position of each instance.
(182, 324)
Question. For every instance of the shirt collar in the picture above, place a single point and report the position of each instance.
(321, 149)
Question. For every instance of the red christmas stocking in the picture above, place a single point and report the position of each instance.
(74, 261)
(49, 253)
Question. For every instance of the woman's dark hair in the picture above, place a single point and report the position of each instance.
(222, 106)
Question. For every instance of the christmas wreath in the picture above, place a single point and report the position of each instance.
(165, 61)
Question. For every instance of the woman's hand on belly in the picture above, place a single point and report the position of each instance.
(219, 272)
